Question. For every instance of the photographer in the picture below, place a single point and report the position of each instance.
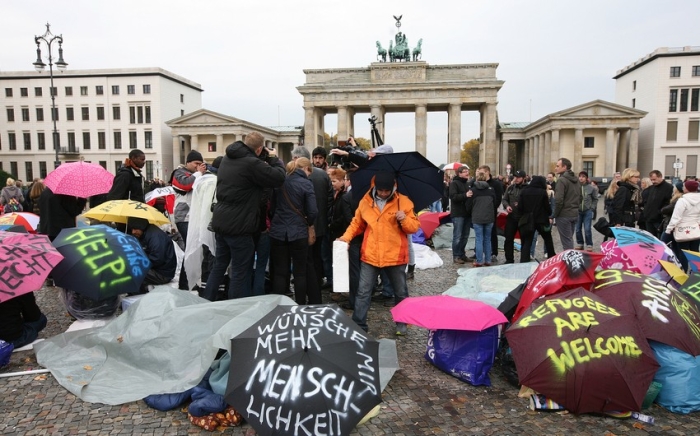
(349, 155)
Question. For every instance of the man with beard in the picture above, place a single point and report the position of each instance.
(128, 183)
(567, 198)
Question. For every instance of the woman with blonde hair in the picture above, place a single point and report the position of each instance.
(11, 197)
(626, 200)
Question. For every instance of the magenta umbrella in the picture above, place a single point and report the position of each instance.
(448, 313)
(79, 179)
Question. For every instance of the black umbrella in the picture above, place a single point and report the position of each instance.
(416, 176)
(303, 366)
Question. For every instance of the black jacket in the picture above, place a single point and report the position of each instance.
(658, 196)
(160, 250)
(58, 212)
(458, 197)
(623, 211)
(127, 185)
(241, 182)
(534, 199)
(482, 205)
(288, 224)
(323, 189)
(14, 313)
(512, 198)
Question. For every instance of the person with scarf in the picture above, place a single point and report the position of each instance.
(128, 183)
(626, 200)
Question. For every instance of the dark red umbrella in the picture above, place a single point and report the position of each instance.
(429, 221)
(664, 314)
(567, 270)
(582, 353)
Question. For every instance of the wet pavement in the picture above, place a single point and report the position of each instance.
(419, 400)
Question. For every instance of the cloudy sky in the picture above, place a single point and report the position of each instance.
(249, 56)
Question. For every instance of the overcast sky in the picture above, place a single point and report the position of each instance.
(249, 56)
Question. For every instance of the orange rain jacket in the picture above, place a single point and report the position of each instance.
(385, 243)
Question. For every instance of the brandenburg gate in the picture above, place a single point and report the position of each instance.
(411, 86)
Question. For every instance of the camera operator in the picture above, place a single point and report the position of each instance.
(348, 154)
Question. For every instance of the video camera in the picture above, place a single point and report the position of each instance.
(338, 160)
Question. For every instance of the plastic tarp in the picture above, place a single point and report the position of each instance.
(442, 238)
(467, 355)
(490, 285)
(679, 376)
(164, 343)
(426, 258)
(197, 233)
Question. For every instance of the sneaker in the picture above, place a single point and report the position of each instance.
(468, 258)
(390, 303)
(458, 260)
(494, 259)
(327, 286)
(487, 264)
(382, 298)
(401, 329)
(589, 248)
(347, 306)
(477, 264)
(579, 247)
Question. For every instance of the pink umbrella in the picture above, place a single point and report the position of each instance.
(636, 251)
(79, 179)
(27, 220)
(448, 313)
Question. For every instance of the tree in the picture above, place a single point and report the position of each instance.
(470, 153)
(3, 178)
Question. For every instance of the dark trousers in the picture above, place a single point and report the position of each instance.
(327, 257)
(30, 331)
(262, 251)
(294, 253)
(153, 277)
(494, 238)
(314, 270)
(182, 228)
(527, 237)
(236, 251)
(354, 272)
(652, 227)
(509, 233)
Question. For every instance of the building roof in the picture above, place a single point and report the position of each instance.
(658, 53)
(514, 125)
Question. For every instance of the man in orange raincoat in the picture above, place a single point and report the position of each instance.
(385, 217)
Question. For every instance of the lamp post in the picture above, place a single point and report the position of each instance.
(39, 65)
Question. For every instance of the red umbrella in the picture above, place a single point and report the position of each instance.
(582, 353)
(167, 193)
(27, 220)
(448, 313)
(567, 270)
(429, 221)
(79, 179)
(25, 262)
(664, 314)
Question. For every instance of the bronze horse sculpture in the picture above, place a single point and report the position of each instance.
(417, 50)
(381, 52)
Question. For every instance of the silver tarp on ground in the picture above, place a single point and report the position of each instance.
(490, 285)
(163, 343)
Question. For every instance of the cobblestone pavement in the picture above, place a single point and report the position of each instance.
(420, 399)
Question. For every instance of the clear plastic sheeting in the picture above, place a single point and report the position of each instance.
(164, 343)
(84, 308)
(490, 285)
(426, 258)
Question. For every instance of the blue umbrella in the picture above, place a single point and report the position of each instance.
(416, 176)
(99, 262)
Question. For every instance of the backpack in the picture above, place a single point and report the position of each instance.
(13, 206)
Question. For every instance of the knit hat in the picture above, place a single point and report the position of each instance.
(383, 149)
(217, 161)
(194, 155)
(137, 223)
(679, 186)
(384, 180)
(691, 185)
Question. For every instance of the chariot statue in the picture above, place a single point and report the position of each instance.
(400, 50)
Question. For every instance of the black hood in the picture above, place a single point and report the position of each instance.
(238, 150)
(538, 182)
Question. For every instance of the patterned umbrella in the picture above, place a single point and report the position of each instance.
(79, 179)
(25, 261)
(119, 211)
(27, 220)
(635, 250)
(453, 166)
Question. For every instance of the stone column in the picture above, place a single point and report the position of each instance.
(343, 123)
(351, 121)
(504, 157)
(577, 162)
(422, 129)
(319, 121)
(220, 144)
(176, 151)
(489, 135)
(610, 151)
(454, 129)
(194, 142)
(622, 151)
(633, 153)
(531, 156)
(542, 157)
(526, 157)
(536, 155)
(378, 111)
(547, 153)
(555, 146)
(309, 127)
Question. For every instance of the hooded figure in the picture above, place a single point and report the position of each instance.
(159, 248)
(534, 205)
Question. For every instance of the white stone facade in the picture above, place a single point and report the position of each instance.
(669, 133)
(145, 98)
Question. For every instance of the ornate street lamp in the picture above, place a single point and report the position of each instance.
(39, 65)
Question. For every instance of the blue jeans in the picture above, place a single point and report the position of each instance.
(436, 206)
(584, 219)
(236, 251)
(483, 242)
(262, 249)
(30, 331)
(461, 226)
(368, 277)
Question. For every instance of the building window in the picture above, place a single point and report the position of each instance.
(148, 139)
(634, 85)
(130, 89)
(40, 114)
(41, 140)
(103, 164)
(116, 113)
(149, 170)
(672, 100)
(146, 89)
(182, 112)
(634, 102)
(182, 98)
(12, 141)
(71, 141)
(24, 92)
(85, 113)
(139, 112)
(117, 140)
(148, 114)
(132, 115)
(42, 170)
(133, 140)
(10, 114)
(25, 114)
(83, 90)
(675, 71)
(99, 90)
(69, 91)
(27, 137)
(588, 167)
(29, 171)
(100, 113)
(101, 141)
(115, 89)
(211, 147)
(8, 92)
(117, 165)
(684, 100)
(696, 70)
(13, 170)
(86, 140)
(693, 126)
(671, 130)
(69, 114)
(54, 114)
(38, 92)
(694, 97)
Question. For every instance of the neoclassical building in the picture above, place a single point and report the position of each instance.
(598, 137)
